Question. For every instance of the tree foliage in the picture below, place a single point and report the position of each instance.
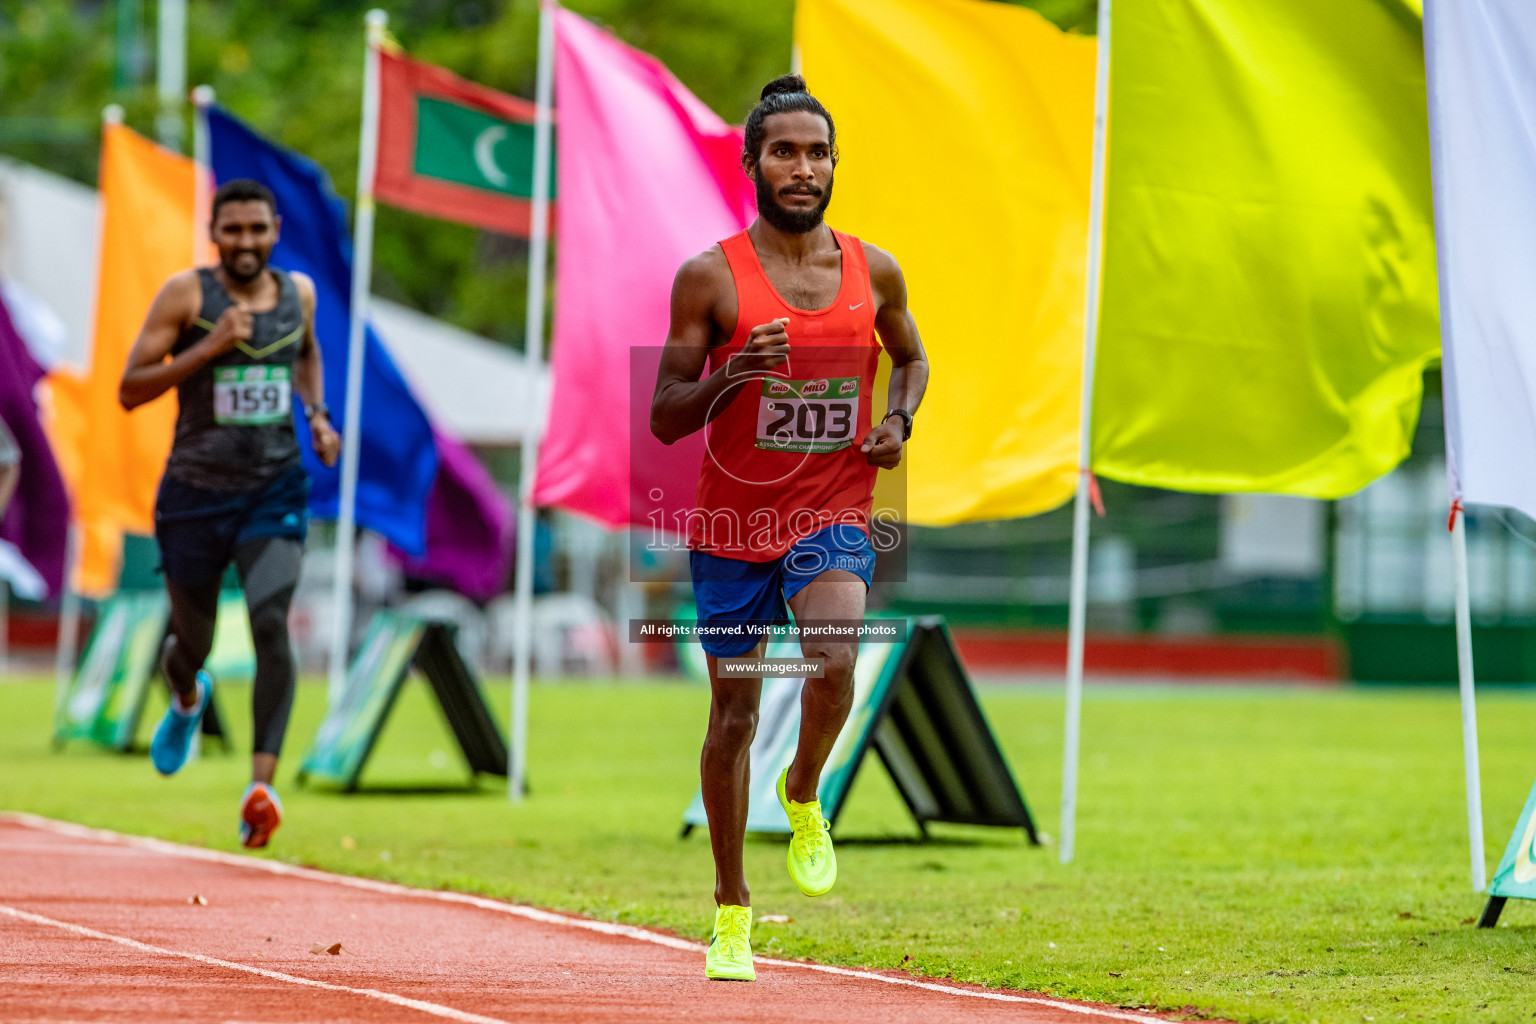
(294, 70)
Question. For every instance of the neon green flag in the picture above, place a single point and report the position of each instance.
(1269, 270)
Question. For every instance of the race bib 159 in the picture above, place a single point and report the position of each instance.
(815, 416)
(249, 395)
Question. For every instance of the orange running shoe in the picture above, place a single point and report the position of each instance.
(260, 814)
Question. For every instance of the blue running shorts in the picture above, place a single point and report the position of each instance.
(735, 595)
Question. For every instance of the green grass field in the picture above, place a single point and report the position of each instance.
(1257, 854)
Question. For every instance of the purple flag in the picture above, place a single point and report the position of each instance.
(469, 526)
(37, 521)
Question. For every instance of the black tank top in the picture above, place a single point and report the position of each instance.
(234, 431)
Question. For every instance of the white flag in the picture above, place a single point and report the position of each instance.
(1481, 57)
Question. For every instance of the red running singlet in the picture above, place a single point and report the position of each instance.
(782, 460)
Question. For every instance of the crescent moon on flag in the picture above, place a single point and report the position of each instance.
(485, 155)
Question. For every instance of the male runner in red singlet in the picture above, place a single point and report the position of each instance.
(237, 342)
(785, 315)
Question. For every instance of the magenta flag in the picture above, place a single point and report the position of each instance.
(648, 176)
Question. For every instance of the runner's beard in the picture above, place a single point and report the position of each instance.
(228, 263)
(794, 222)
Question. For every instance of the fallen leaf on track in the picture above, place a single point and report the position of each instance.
(334, 948)
(197, 900)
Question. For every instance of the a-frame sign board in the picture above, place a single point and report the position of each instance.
(392, 646)
(914, 706)
(104, 700)
(1516, 877)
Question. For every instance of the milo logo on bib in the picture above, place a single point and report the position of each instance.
(251, 395)
(807, 416)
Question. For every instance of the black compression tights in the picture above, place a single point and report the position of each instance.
(269, 571)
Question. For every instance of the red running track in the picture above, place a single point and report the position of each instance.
(96, 926)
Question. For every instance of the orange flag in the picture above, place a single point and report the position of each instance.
(111, 460)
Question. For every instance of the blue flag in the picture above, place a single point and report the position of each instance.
(399, 459)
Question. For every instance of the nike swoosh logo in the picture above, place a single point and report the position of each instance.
(852, 308)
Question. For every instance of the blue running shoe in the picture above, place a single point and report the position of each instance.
(173, 736)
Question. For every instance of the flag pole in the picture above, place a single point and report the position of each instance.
(202, 204)
(1078, 600)
(202, 168)
(69, 622)
(351, 430)
(68, 646)
(538, 258)
(171, 71)
(1466, 677)
(1468, 683)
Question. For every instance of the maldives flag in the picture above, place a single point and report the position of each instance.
(453, 149)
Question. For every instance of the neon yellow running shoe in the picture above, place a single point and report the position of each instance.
(729, 957)
(812, 864)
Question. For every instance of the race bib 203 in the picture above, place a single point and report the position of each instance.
(814, 416)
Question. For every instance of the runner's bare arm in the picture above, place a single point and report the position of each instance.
(683, 403)
(149, 374)
(909, 363)
(308, 370)
(309, 378)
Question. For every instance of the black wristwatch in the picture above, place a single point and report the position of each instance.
(311, 411)
(906, 421)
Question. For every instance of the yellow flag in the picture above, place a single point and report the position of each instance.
(112, 460)
(966, 134)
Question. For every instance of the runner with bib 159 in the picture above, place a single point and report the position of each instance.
(237, 342)
(785, 315)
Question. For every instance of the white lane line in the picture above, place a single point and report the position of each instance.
(1001, 997)
(72, 849)
(534, 914)
(434, 1009)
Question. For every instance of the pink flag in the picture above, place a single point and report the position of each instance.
(648, 176)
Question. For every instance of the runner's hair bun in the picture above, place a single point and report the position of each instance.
(786, 94)
(785, 84)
